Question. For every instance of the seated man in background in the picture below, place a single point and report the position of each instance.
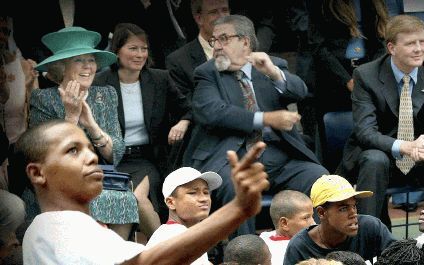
(63, 168)
(290, 211)
(386, 147)
(247, 250)
(187, 195)
(241, 97)
(340, 228)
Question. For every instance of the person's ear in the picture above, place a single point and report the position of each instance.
(391, 48)
(170, 202)
(247, 42)
(35, 174)
(321, 211)
(198, 19)
(283, 222)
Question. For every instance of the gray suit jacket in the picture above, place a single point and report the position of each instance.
(375, 105)
(222, 122)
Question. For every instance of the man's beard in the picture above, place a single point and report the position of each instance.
(222, 62)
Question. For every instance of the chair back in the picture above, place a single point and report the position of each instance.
(338, 126)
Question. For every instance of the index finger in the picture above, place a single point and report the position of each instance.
(250, 157)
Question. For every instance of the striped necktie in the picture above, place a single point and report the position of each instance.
(250, 104)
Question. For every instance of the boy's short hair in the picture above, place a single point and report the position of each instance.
(32, 145)
(314, 261)
(346, 257)
(246, 249)
(285, 204)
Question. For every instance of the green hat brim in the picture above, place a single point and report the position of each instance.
(103, 58)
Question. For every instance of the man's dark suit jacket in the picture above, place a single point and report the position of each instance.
(223, 123)
(375, 105)
(181, 64)
(160, 98)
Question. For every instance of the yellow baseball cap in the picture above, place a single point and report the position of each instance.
(333, 188)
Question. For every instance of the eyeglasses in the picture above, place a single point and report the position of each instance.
(222, 39)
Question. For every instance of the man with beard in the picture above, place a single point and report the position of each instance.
(233, 112)
(340, 228)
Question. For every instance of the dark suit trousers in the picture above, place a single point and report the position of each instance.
(377, 172)
(283, 173)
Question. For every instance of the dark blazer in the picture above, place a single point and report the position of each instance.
(181, 64)
(329, 39)
(160, 99)
(375, 102)
(222, 123)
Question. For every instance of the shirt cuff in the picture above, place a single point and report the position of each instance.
(280, 85)
(396, 150)
(258, 120)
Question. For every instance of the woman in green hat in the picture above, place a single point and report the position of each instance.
(94, 108)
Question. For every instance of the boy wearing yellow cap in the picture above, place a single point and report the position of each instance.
(340, 228)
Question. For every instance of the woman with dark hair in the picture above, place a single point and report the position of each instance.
(146, 101)
(344, 34)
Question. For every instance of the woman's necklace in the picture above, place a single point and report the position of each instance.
(130, 88)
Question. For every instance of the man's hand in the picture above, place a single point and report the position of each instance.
(281, 119)
(263, 64)
(31, 75)
(249, 179)
(414, 149)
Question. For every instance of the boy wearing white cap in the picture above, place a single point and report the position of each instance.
(187, 195)
(341, 227)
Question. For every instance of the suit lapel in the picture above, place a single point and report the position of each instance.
(389, 86)
(148, 94)
(260, 83)
(418, 93)
(230, 88)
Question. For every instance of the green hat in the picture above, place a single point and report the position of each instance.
(74, 41)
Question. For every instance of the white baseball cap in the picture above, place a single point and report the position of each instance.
(184, 175)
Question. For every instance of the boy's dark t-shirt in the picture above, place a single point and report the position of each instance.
(372, 238)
